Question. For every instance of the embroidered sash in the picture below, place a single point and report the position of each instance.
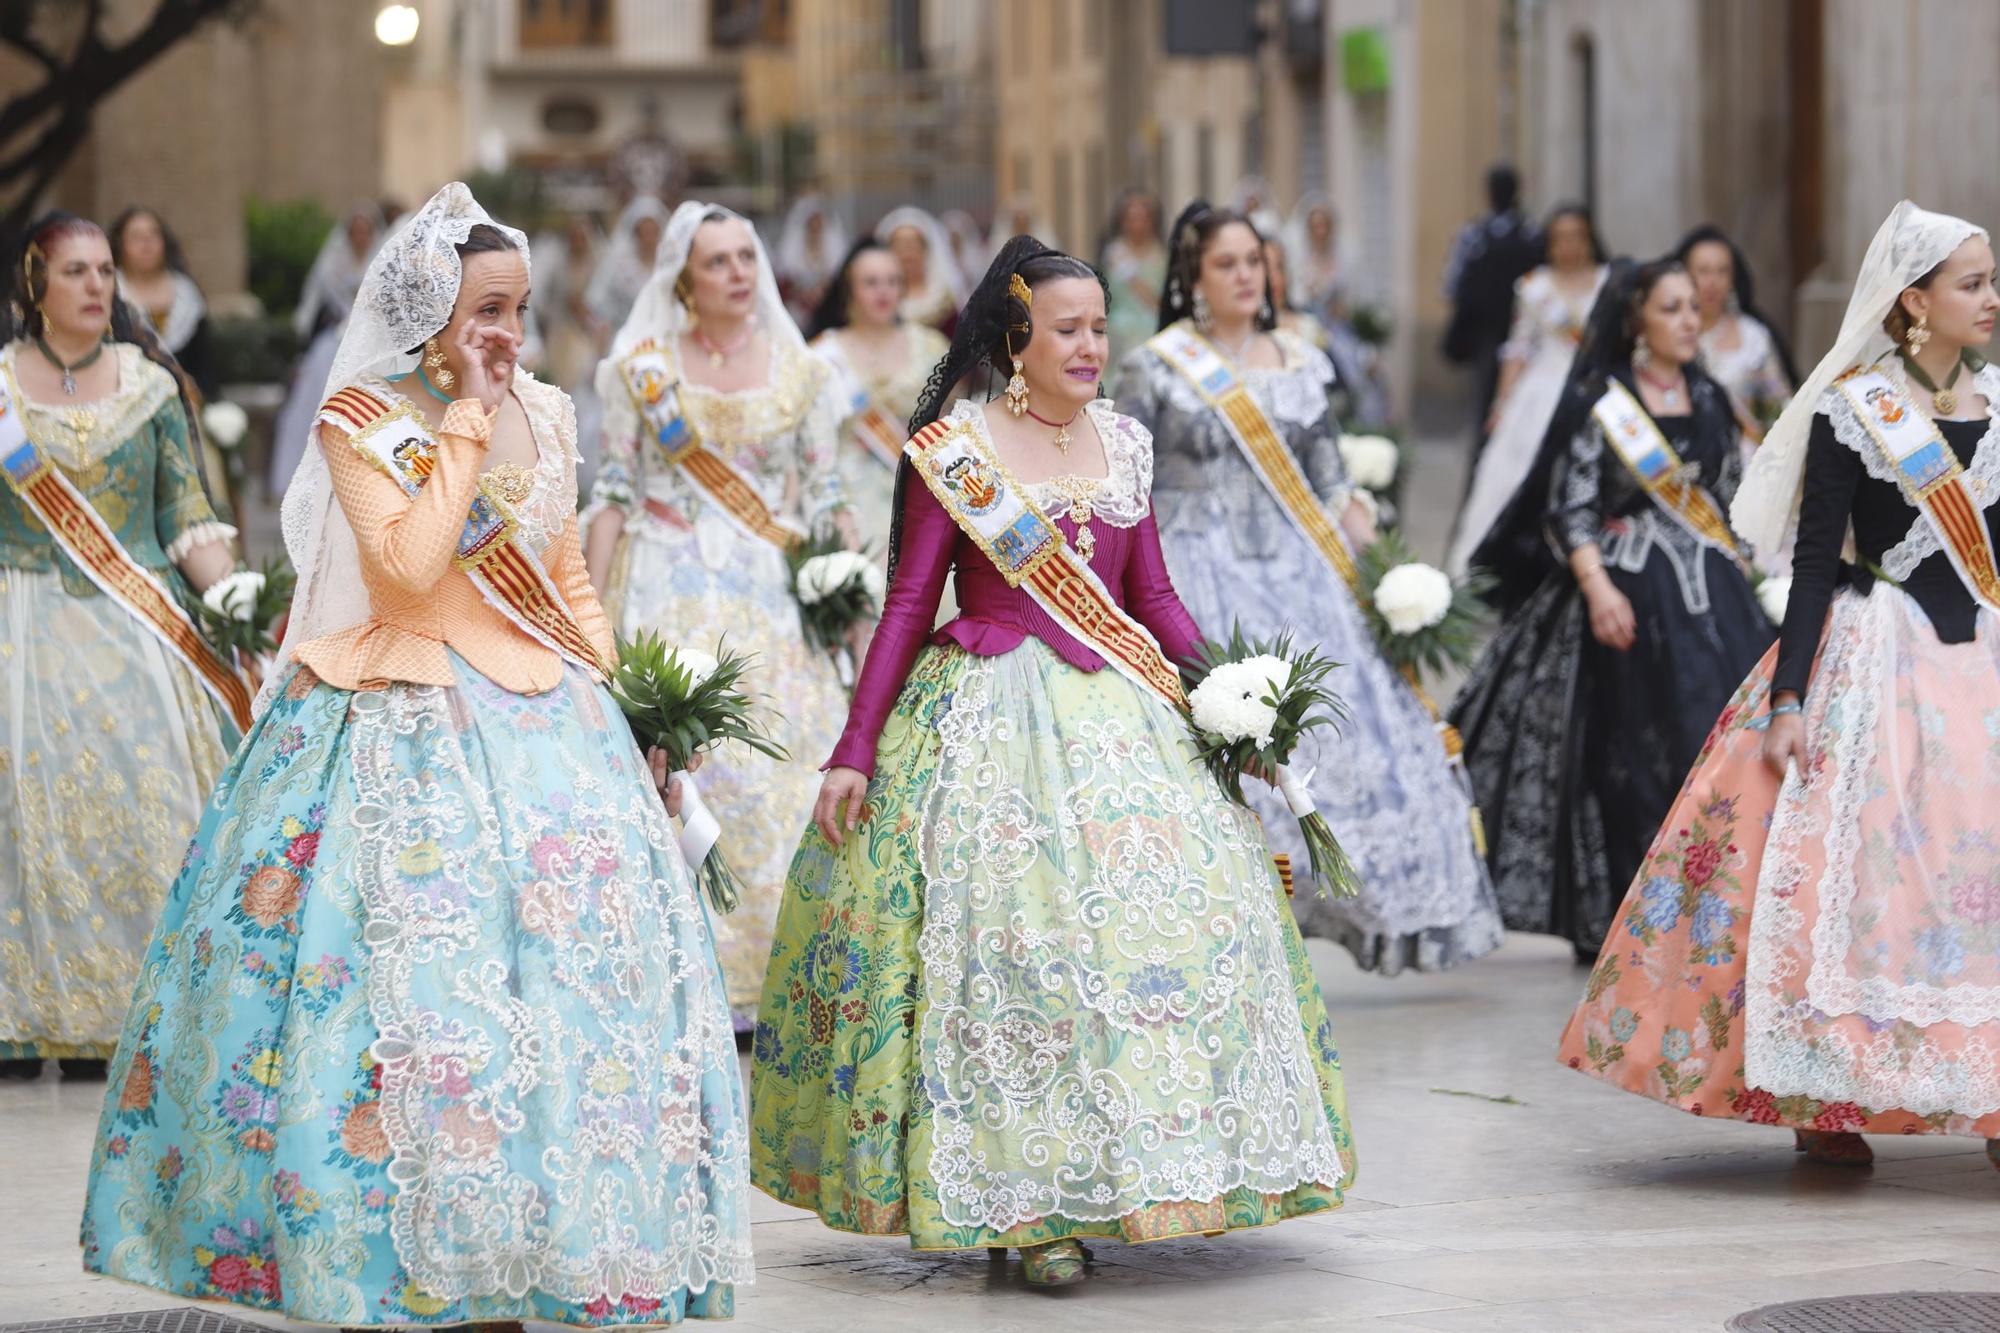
(1635, 437)
(655, 393)
(1930, 477)
(398, 442)
(877, 432)
(1223, 389)
(94, 548)
(1031, 552)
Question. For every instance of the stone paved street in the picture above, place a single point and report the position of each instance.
(1573, 1207)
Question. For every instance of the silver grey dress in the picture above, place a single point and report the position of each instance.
(1383, 783)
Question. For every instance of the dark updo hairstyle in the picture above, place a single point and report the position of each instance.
(832, 311)
(1744, 285)
(992, 315)
(1897, 323)
(176, 258)
(1580, 211)
(1197, 225)
(21, 315)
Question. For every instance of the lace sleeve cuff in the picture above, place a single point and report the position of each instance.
(201, 534)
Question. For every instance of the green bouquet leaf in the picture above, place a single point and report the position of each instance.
(683, 702)
(1250, 701)
(237, 613)
(1421, 619)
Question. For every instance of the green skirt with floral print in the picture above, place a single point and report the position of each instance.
(1050, 987)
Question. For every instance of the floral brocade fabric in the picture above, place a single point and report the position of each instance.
(1702, 997)
(1017, 1006)
(431, 1030)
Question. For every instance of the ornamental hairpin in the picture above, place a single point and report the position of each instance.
(1017, 387)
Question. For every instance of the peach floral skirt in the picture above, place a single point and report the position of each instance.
(1824, 953)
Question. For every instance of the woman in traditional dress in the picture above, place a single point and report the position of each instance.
(1550, 306)
(1312, 244)
(1594, 697)
(431, 1030)
(933, 286)
(880, 363)
(1738, 345)
(1239, 552)
(96, 648)
(153, 275)
(574, 337)
(693, 547)
(328, 295)
(1814, 938)
(1135, 260)
(810, 247)
(1023, 900)
(628, 263)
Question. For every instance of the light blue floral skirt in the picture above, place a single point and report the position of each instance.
(431, 1030)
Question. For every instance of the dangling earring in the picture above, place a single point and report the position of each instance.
(1017, 391)
(1642, 354)
(1201, 315)
(1017, 387)
(435, 370)
(1268, 315)
(1919, 334)
(1732, 304)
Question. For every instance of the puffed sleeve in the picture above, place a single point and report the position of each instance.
(410, 540)
(183, 519)
(620, 472)
(1576, 511)
(908, 611)
(1524, 335)
(822, 493)
(565, 559)
(1833, 476)
(1318, 445)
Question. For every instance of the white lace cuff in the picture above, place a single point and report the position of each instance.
(201, 534)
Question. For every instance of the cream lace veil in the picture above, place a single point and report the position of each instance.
(406, 295)
(1910, 243)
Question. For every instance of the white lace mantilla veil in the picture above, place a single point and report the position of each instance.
(792, 256)
(406, 295)
(658, 314)
(943, 270)
(1910, 243)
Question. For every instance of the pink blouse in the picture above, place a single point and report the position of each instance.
(994, 618)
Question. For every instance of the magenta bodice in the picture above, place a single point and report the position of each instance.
(994, 618)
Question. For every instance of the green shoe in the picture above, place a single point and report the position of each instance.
(1056, 1264)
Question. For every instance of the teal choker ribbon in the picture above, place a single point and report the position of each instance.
(424, 380)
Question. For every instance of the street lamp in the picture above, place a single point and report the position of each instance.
(396, 25)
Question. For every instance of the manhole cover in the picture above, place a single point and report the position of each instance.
(1898, 1312)
(184, 1319)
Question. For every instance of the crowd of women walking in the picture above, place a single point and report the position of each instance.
(411, 1008)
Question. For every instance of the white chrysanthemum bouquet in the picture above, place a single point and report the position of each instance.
(683, 701)
(239, 611)
(1372, 461)
(1421, 619)
(1249, 703)
(225, 423)
(836, 590)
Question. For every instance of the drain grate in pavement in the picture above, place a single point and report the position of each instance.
(1898, 1312)
(182, 1319)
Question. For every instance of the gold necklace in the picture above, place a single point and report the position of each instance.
(1080, 492)
(1063, 438)
(1944, 399)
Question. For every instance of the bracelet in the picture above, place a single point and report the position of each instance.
(1792, 709)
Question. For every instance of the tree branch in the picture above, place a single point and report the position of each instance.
(96, 70)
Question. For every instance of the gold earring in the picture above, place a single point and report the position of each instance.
(1919, 334)
(1017, 391)
(435, 370)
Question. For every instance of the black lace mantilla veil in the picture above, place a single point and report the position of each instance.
(1519, 552)
(980, 341)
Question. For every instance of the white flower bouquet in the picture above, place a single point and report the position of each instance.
(683, 701)
(1372, 461)
(1249, 703)
(1421, 619)
(225, 423)
(836, 589)
(238, 611)
(1774, 594)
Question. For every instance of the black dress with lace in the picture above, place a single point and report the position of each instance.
(1576, 750)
